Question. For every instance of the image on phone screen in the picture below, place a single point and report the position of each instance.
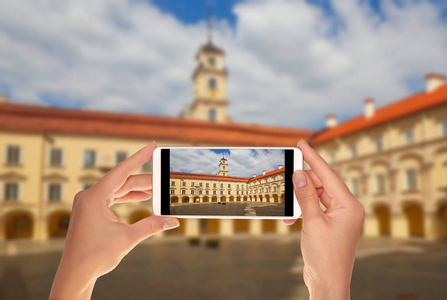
(228, 182)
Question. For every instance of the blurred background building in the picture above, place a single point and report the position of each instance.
(393, 158)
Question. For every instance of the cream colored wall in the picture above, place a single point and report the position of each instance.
(428, 155)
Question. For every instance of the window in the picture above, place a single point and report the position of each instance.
(200, 192)
(221, 185)
(355, 186)
(147, 166)
(214, 192)
(444, 128)
(207, 192)
(224, 174)
(89, 158)
(120, 156)
(410, 183)
(212, 115)
(173, 183)
(331, 157)
(11, 191)
(229, 192)
(214, 185)
(13, 155)
(223, 167)
(192, 183)
(55, 157)
(380, 184)
(237, 186)
(242, 192)
(266, 190)
(221, 192)
(183, 192)
(172, 192)
(212, 83)
(207, 185)
(192, 192)
(200, 184)
(353, 151)
(212, 61)
(378, 144)
(274, 188)
(54, 192)
(229, 185)
(409, 138)
(184, 183)
(237, 192)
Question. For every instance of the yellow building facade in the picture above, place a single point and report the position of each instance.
(394, 160)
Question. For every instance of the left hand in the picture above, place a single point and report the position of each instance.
(97, 240)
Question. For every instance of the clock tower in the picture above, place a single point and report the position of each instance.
(223, 167)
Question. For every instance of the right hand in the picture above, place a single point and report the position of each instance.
(328, 238)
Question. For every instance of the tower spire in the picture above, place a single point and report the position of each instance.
(210, 25)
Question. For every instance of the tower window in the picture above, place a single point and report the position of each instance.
(212, 83)
(212, 115)
(212, 61)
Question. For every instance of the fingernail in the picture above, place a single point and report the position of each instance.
(171, 223)
(299, 179)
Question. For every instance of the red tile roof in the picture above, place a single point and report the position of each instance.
(393, 111)
(277, 171)
(37, 119)
(197, 176)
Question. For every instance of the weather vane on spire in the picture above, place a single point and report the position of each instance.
(210, 25)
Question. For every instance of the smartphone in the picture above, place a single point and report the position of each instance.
(225, 183)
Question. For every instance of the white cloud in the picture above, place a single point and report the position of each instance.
(242, 163)
(285, 67)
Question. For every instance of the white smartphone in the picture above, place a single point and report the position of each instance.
(225, 183)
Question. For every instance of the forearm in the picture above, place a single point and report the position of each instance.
(330, 290)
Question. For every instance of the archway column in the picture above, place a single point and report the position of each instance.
(282, 228)
(256, 227)
(432, 223)
(226, 227)
(399, 225)
(371, 225)
(40, 233)
(2, 229)
(192, 227)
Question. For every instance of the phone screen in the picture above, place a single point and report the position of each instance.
(227, 182)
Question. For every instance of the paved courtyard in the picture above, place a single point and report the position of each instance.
(243, 267)
(229, 209)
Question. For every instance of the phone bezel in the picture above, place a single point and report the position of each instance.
(156, 183)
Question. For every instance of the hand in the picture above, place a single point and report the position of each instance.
(328, 238)
(97, 240)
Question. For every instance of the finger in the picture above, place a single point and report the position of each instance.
(132, 197)
(289, 221)
(116, 177)
(306, 195)
(139, 182)
(325, 199)
(331, 181)
(150, 226)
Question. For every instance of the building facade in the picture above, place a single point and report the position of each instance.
(394, 160)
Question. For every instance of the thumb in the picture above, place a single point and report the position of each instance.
(149, 226)
(306, 195)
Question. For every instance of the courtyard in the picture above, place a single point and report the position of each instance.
(241, 267)
(229, 209)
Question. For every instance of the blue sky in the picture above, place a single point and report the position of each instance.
(290, 62)
(241, 162)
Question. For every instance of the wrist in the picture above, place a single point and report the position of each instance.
(330, 289)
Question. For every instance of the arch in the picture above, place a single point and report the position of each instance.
(282, 198)
(269, 225)
(354, 168)
(267, 198)
(380, 162)
(174, 199)
(185, 199)
(442, 215)
(260, 198)
(415, 218)
(206, 199)
(275, 198)
(214, 199)
(138, 215)
(238, 198)
(231, 198)
(19, 224)
(241, 226)
(297, 226)
(382, 212)
(209, 226)
(223, 198)
(441, 149)
(58, 223)
(245, 198)
(411, 155)
(196, 199)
